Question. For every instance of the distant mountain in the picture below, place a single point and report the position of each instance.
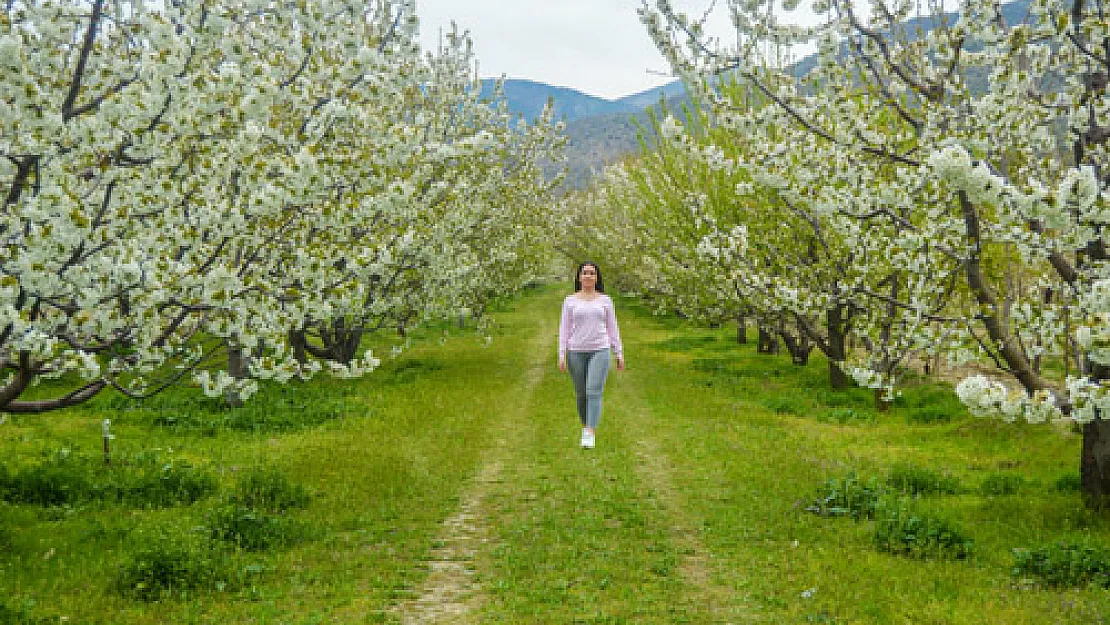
(599, 131)
(650, 97)
(528, 97)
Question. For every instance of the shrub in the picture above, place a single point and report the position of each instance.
(848, 496)
(901, 531)
(1001, 484)
(914, 480)
(252, 529)
(173, 567)
(1064, 565)
(269, 490)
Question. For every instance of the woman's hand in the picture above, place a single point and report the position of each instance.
(562, 364)
(620, 363)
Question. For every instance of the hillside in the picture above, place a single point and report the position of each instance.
(599, 131)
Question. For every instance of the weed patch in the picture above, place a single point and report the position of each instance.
(1001, 485)
(914, 480)
(408, 371)
(22, 615)
(1070, 483)
(253, 518)
(174, 567)
(254, 530)
(66, 479)
(931, 404)
(269, 489)
(848, 496)
(786, 404)
(901, 531)
(1064, 565)
(274, 409)
(58, 481)
(846, 416)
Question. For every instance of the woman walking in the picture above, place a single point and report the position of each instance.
(587, 334)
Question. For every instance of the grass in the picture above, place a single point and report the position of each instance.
(330, 499)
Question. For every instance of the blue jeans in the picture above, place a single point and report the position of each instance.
(588, 370)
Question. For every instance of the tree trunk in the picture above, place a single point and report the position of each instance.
(834, 319)
(799, 348)
(767, 344)
(741, 330)
(236, 368)
(882, 404)
(1095, 464)
(297, 342)
(342, 340)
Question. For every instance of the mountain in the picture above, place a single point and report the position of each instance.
(599, 131)
(528, 97)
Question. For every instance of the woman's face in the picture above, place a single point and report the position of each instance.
(588, 276)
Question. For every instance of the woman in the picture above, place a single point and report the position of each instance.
(587, 334)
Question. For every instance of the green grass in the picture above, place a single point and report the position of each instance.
(330, 497)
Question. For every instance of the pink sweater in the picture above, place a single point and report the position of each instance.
(588, 325)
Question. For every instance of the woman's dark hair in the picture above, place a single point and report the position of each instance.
(599, 287)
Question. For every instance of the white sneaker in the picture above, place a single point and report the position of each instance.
(587, 440)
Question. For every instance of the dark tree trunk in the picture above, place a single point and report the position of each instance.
(297, 342)
(882, 404)
(341, 341)
(837, 353)
(1094, 463)
(767, 344)
(1094, 467)
(742, 330)
(237, 368)
(799, 347)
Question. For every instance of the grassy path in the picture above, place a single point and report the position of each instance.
(451, 489)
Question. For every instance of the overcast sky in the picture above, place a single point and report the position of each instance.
(595, 46)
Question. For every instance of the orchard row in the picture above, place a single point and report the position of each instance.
(919, 193)
(225, 191)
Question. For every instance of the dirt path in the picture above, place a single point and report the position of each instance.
(450, 593)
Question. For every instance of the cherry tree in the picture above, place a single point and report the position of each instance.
(988, 130)
(189, 179)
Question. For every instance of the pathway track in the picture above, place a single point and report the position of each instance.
(452, 591)
(450, 594)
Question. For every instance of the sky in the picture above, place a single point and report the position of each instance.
(598, 47)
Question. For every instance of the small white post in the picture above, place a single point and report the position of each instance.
(106, 430)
